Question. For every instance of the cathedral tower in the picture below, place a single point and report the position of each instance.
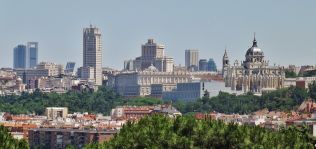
(225, 64)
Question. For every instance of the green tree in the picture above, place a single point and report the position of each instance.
(8, 142)
(290, 74)
(186, 132)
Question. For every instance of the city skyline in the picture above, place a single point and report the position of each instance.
(207, 26)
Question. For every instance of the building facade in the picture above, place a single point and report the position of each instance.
(86, 73)
(225, 64)
(32, 55)
(254, 74)
(192, 59)
(211, 65)
(70, 67)
(53, 113)
(194, 90)
(152, 54)
(138, 83)
(92, 51)
(19, 57)
(25, 56)
(203, 65)
(53, 68)
(30, 76)
(52, 138)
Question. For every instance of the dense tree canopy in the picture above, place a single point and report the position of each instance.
(290, 74)
(186, 132)
(285, 99)
(101, 101)
(105, 99)
(8, 142)
(310, 73)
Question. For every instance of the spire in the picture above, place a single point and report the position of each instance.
(254, 43)
(225, 54)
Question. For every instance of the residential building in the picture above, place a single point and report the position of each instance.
(54, 138)
(53, 68)
(92, 52)
(152, 55)
(138, 112)
(150, 52)
(10, 83)
(29, 76)
(43, 69)
(192, 59)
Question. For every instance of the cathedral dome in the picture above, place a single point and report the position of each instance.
(254, 50)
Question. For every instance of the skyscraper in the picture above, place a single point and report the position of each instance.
(211, 65)
(19, 57)
(92, 51)
(70, 66)
(32, 53)
(192, 59)
(203, 65)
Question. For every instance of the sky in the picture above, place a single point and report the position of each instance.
(285, 29)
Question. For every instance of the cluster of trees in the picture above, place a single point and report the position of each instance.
(310, 73)
(285, 99)
(290, 74)
(8, 142)
(104, 100)
(101, 101)
(186, 132)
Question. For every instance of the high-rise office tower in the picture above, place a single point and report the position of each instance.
(211, 65)
(92, 51)
(19, 57)
(192, 59)
(32, 54)
(70, 67)
(203, 65)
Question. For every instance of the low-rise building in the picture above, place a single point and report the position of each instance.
(56, 112)
(138, 112)
(195, 90)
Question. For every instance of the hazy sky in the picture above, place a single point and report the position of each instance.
(285, 29)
